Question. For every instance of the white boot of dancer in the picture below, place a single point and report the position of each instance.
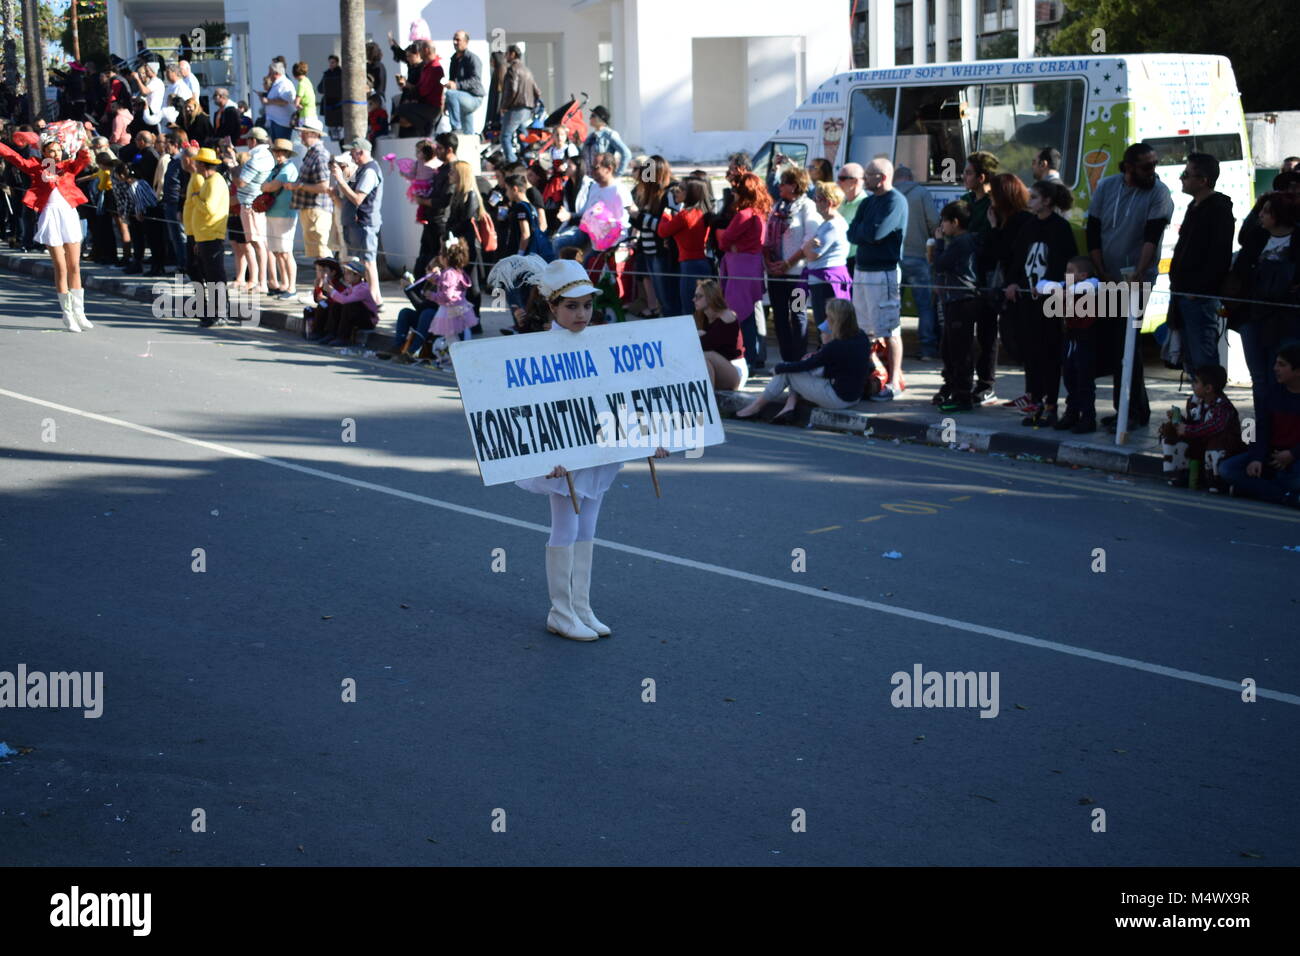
(562, 619)
(79, 308)
(69, 320)
(582, 553)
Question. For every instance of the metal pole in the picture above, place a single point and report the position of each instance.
(1133, 313)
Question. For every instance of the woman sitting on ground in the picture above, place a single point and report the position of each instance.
(720, 337)
(833, 377)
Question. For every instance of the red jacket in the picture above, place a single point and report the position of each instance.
(429, 87)
(39, 194)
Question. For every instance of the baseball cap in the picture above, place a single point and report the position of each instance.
(259, 134)
(362, 144)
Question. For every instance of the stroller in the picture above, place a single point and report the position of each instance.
(539, 137)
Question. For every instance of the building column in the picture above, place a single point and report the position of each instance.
(940, 31)
(630, 123)
(970, 14)
(1025, 27)
(920, 39)
(880, 33)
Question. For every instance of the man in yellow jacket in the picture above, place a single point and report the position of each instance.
(207, 206)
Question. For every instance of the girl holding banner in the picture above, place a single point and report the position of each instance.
(568, 292)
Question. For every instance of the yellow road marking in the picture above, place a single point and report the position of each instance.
(873, 518)
(834, 527)
(961, 498)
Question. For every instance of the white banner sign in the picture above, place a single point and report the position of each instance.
(609, 393)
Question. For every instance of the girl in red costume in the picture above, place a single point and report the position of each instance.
(55, 196)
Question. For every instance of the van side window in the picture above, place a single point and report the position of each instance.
(933, 132)
(871, 124)
(774, 155)
(1173, 150)
(1019, 119)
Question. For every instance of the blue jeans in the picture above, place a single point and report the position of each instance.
(692, 271)
(512, 121)
(276, 131)
(460, 110)
(175, 235)
(916, 274)
(755, 347)
(1271, 485)
(1200, 331)
(569, 236)
(408, 321)
(665, 286)
(1260, 355)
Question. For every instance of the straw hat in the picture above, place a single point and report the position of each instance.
(281, 146)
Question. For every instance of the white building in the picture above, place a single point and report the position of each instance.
(679, 77)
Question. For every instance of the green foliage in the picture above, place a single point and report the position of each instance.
(1258, 36)
(92, 34)
(215, 33)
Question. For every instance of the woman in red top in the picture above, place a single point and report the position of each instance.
(689, 227)
(55, 197)
(742, 263)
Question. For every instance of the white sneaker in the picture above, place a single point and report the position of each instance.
(886, 394)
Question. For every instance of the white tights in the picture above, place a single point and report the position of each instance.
(566, 527)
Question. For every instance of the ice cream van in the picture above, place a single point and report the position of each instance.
(930, 116)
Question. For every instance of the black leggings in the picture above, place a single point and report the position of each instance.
(1041, 349)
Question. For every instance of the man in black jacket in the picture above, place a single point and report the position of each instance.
(1201, 261)
(330, 89)
(464, 92)
(225, 116)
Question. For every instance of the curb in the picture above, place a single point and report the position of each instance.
(275, 317)
(1053, 451)
(852, 421)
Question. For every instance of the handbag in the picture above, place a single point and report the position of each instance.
(485, 231)
(263, 202)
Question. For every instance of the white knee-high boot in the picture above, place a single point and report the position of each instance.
(582, 554)
(79, 308)
(562, 619)
(69, 320)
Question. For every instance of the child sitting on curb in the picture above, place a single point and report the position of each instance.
(1208, 431)
(329, 277)
(350, 308)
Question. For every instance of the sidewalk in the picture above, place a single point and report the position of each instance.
(910, 417)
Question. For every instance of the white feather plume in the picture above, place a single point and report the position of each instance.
(513, 271)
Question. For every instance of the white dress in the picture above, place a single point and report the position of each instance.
(587, 482)
(59, 222)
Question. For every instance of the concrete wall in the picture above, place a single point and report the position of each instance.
(1273, 137)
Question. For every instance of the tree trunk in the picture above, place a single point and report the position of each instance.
(352, 23)
(76, 37)
(32, 60)
(9, 14)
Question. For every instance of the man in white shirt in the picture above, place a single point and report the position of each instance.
(601, 186)
(189, 79)
(152, 90)
(281, 102)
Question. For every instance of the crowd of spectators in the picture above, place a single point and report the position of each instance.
(824, 256)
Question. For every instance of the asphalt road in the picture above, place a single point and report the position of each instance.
(372, 560)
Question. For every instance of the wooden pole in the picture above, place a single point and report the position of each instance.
(654, 476)
(76, 37)
(572, 496)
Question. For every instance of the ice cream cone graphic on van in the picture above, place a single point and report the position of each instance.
(1095, 162)
(832, 130)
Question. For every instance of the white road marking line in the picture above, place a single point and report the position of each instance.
(948, 622)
